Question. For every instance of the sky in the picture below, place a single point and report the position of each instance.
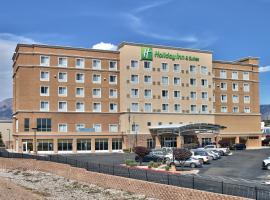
(230, 28)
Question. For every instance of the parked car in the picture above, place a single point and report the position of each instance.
(202, 153)
(204, 158)
(266, 163)
(153, 156)
(238, 146)
(224, 151)
(191, 162)
(213, 155)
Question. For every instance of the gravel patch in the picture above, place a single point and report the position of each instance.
(53, 187)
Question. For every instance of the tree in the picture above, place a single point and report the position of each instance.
(1, 141)
(141, 152)
(181, 155)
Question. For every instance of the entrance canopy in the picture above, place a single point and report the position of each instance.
(186, 129)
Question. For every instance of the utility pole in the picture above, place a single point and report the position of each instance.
(8, 138)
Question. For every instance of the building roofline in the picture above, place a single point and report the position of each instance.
(233, 63)
(247, 58)
(162, 46)
(5, 121)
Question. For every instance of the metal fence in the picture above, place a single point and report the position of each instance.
(194, 182)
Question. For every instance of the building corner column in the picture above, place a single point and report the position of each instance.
(55, 145)
(157, 141)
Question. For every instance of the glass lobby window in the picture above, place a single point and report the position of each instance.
(83, 144)
(79, 63)
(96, 107)
(44, 145)
(134, 107)
(164, 67)
(62, 128)
(113, 93)
(147, 107)
(116, 144)
(44, 76)
(192, 69)
(62, 91)
(79, 107)
(96, 78)
(234, 75)
(62, 77)
(101, 144)
(97, 127)
(65, 145)
(150, 143)
(147, 65)
(134, 64)
(44, 90)
(134, 79)
(62, 62)
(113, 79)
(134, 93)
(165, 107)
(176, 68)
(113, 107)
(112, 65)
(80, 78)
(26, 124)
(96, 93)
(147, 93)
(245, 75)
(45, 61)
(80, 92)
(96, 64)
(135, 127)
(44, 106)
(235, 86)
(62, 106)
(44, 124)
(113, 128)
(165, 80)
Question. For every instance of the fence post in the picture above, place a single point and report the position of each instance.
(113, 169)
(193, 182)
(146, 175)
(128, 173)
(99, 167)
(256, 192)
(168, 179)
(222, 187)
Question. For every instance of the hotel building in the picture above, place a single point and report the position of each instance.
(86, 100)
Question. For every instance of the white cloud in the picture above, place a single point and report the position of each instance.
(8, 44)
(264, 69)
(104, 46)
(149, 6)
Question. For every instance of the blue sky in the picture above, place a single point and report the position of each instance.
(230, 28)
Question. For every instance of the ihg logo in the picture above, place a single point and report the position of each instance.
(146, 53)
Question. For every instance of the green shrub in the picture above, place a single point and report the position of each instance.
(149, 166)
(151, 163)
(130, 163)
(167, 168)
(126, 150)
(156, 165)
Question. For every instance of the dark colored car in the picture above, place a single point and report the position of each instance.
(238, 146)
(152, 157)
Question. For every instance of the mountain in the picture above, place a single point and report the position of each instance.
(265, 111)
(6, 109)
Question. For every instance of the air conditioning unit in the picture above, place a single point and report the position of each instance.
(209, 86)
(187, 71)
(128, 66)
(127, 81)
(128, 109)
(154, 83)
(158, 110)
(183, 71)
(183, 84)
(187, 98)
(158, 83)
(158, 97)
(187, 85)
(209, 73)
(154, 69)
(128, 95)
(154, 96)
(183, 98)
(158, 69)
(210, 99)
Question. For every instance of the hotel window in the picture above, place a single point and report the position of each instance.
(44, 61)
(204, 95)
(96, 78)
(223, 74)
(193, 95)
(247, 109)
(176, 81)
(147, 93)
(79, 92)
(96, 93)
(246, 76)
(44, 90)
(165, 67)
(246, 87)
(147, 79)
(44, 124)
(80, 78)
(192, 82)
(204, 70)
(79, 127)
(192, 69)
(83, 144)
(62, 106)
(235, 109)
(134, 107)
(176, 94)
(113, 128)
(134, 93)
(147, 65)
(134, 64)
(223, 98)
(96, 64)
(62, 62)
(235, 75)
(177, 108)
(96, 107)
(97, 128)
(44, 76)
(65, 145)
(79, 63)
(44, 106)
(235, 99)
(62, 77)
(112, 65)
(204, 82)
(223, 86)
(147, 107)
(150, 143)
(246, 99)
(113, 93)
(165, 107)
(164, 80)
(101, 144)
(204, 109)
(176, 68)
(79, 107)
(165, 94)
(62, 128)
(116, 144)
(235, 86)
(224, 109)
(135, 127)
(26, 124)
(112, 79)
(134, 79)
(193, 108)
(113, 107)
(62, 91)
(45, 145)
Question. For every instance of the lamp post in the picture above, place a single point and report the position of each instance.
(8, 138)
(35, 141)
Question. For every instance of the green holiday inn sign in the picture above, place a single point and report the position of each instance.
(147, 54)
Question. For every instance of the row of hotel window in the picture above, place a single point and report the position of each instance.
(235, 86)
(79, 78)
(235, 98)
(101, 144)
(45, 125)
(234, 75)
(79, 92)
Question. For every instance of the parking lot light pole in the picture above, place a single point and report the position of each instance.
(35, 141)
(8, 138)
